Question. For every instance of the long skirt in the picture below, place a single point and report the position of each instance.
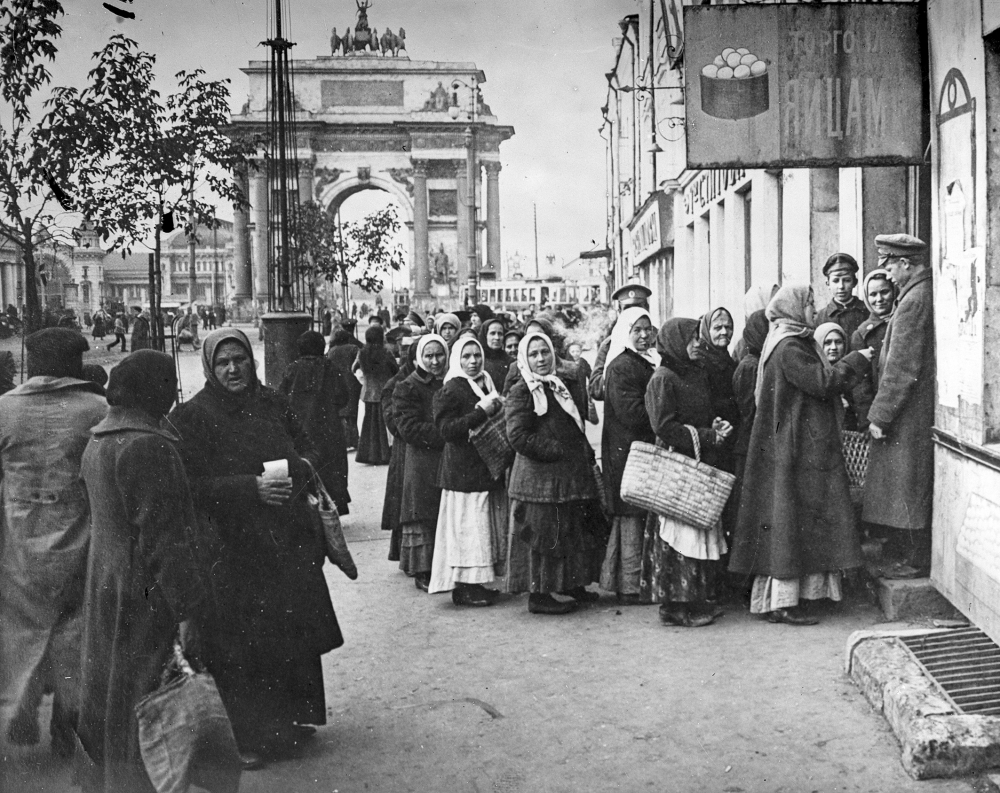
(416, 552)
(669, 576)
(565, 543)
(623, 559)
(394, 498)
(771, 594)
(373, 445)
(466, 542)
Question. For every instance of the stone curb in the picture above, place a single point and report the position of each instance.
(936, 740)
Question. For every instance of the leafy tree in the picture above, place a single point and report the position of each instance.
(171, 158)
(359, 252)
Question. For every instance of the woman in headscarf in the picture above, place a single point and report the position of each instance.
(317, 390)
(745, 385)
(627, 371)
(679, 561)
(343, 352)
(447, 327)
(795, 531)
(756, 299)
(377, 365)
(510, 341)
(716, 331)
(832, 341)
(472, 520)
(393, 500)
(413, 406)
(145, 578)
(553, 492)
(879, 294)
(496, 361)
(272, 618)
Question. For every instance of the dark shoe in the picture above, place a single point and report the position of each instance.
(251, 761)
(422, 581)
(581, 595)
(683, 618)
(546, 604)
(628, 599)
(470, 596)
(791, 617)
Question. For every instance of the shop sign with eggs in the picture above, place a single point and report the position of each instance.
(803, 85)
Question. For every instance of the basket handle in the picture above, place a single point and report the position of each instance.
(696, 441)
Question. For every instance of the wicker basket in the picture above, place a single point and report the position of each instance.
(490, 440)
(856, 446)
(672, 484)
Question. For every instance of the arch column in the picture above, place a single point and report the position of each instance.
(462, 222)
(242, 272)
(258, 214)
(493, 216)
(421, 242)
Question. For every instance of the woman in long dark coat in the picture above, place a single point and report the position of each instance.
(272, 618)
(879, 294)
(680, 562)
(744, 387)
(377, 365)
(716, 331)
(317, 390)
(472, 520)
(496, 362)
(553, 494)
(627, 371)
(144, 574)
(413, 406)
(392, 502)
(343, 352)
(795, 530)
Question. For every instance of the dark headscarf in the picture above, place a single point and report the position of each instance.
(311, 343)
(374, 354)
(672, 342)
(56, 352)
(715, 357)
(483, 312)
(146, 380)
(755, 332)
(487, 324)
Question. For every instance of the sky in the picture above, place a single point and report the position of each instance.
(544, 62)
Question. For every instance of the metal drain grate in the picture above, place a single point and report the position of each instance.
(965, 665)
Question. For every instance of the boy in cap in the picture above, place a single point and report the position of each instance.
(899, 483)
(845, 308)
(626, 296)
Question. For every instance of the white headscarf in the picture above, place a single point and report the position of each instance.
(536, 383)
(422, 342)
(482, 384)
(621, 337)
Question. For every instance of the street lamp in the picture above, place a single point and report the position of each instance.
(472, 293)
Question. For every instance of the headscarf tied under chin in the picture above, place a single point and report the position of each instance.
(422, 342)
(672, 343)
(714, 356)
(621, 337)
(883, 275)
(536, 383)
(447, 319)
(787, 314)
(482, 384)
(211, 344)
(147, 380)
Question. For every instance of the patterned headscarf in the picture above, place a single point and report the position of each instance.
(787, 314)
(536, 383)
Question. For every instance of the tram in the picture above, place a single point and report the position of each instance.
(520, 294)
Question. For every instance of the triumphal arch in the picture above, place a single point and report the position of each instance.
(370, 118)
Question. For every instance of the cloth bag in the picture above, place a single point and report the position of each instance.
(328, 519)
(185, 736)
(672, 484)
(490, 441)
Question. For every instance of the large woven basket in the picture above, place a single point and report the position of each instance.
(672, 484)
(856, 446)
(490, 440)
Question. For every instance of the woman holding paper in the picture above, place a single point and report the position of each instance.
(272, 617)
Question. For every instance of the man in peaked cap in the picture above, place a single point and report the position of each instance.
(899, 483)
(626, 296)
(845, 308)
(45, 425)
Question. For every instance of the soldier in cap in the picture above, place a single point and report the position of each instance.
(626, 296)
(845, 308)
(899, 483)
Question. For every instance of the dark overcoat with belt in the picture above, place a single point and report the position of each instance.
(413, 406)
(899, 484)
(795, 513)
(625, 421)
(456, 412)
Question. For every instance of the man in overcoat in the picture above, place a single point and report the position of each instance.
(899, 484)
(45, 425)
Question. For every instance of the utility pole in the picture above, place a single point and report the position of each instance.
(192, 255)
(535, 207)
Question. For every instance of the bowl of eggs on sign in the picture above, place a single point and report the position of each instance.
(735, 85)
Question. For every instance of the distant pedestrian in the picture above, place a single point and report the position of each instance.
(343, 353)
(376, 366)
(140, 329)
(119, 334)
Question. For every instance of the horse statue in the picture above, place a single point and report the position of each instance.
(334, 42)
(393, 43)
(347, 41)
(374, 43)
